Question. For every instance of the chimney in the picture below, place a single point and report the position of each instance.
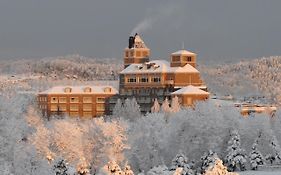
(131, 42)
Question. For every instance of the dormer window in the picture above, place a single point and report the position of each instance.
(67, 90)
(87, 89)
(107, 90)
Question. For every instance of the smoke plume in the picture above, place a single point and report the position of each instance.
(155, 16)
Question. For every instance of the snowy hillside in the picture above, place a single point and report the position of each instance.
(254, 78)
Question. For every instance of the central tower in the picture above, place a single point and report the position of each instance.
(136, 52)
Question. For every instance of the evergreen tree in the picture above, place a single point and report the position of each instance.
(118, 110)
(255, 156)
(131, 109)
(165, 106)
(276, 157)
(156, 106)
(175, 105)
(209, 158)
(236, 157)
(181, 161)
(217, 168)
(60, 167)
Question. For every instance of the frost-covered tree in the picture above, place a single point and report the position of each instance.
(165, 107)
(175, 105)
(236, 158)
(156, 106)
(181, 161)
(159, 170)
(60, 167)
(255, 156)
(209, 158)
(274, 158)
(118, 110)
(217, 168)
(131, 109)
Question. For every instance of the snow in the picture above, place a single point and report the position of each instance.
(183, 52)
(161, 66)
(190, 90)
(80, 89)
(260, 173)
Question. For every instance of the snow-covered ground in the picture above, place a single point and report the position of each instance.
(260, 173)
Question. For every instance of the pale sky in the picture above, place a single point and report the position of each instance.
(218, 30)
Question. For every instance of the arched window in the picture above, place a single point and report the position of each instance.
(67, 90)
(87, 89)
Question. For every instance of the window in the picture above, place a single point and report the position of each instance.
(126, 54)
(62, 99)
(144, 80)
(67, 90)
(74, 99)
(132, 80)
(100, 100)
(176, 58)
(100, 107)
(87, 107)
(74, 107)
(62, 107)
(87, 99)
(54, 100)
(87, 90)
(107, 90)
(74, 114)
(138, 54)
(54, 107)
(145, 53)
(87, 114)
(156, 79)
(132, 53)
(188, 59)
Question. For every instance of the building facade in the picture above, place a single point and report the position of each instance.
(83, 101)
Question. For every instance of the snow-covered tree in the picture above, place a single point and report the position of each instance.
(60, 167)
(131, 109)
(255, 156)
(118, 110)
(236, 158)
(128, 170)
(159, 170)
(209, 158)
(175, 105)
(274, 158)
(181, 161)
(156, 106)
(165, 107)
(217, 168)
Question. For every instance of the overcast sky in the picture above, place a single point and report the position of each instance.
(215, 29)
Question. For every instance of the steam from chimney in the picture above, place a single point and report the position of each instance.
(155, 16)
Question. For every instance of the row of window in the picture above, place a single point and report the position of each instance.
(177, 59)
(76, 100)
(144, 80)
(42, 99)
(137, 54)
(75, 107)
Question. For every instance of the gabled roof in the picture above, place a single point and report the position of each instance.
(183, 52)
(157, 66)
(190, 90)
(81, 90)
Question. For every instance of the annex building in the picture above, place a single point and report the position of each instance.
(142, 79)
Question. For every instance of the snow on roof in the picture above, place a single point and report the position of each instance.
(183, 52)
(157, 66)
(190, 90)
(80, 90)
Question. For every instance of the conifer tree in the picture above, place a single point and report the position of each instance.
(175, 105)
(118, 109)
(60, 167)
(236, 157)
(276, 156)
(156, 106)
(181, 161)
(165, 107)
(255, 156)
(209, 158)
